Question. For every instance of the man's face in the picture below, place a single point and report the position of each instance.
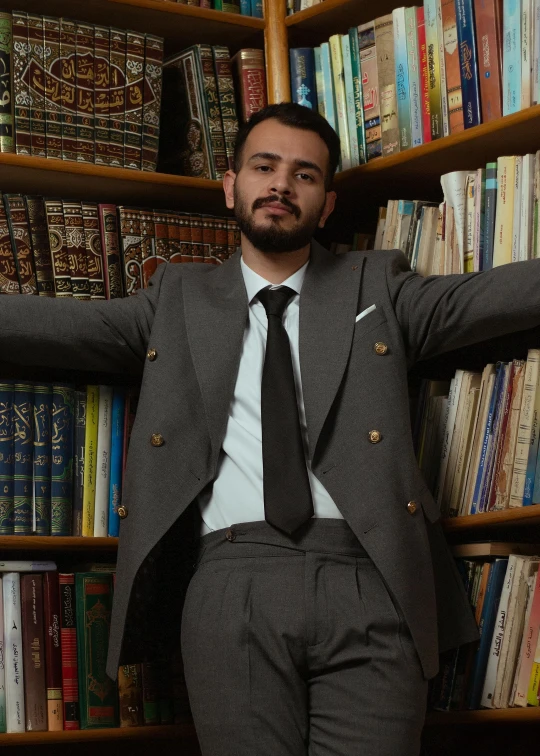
(278, 195)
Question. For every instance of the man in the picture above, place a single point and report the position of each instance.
(271, 471)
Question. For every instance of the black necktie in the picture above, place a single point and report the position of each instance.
(287, 494)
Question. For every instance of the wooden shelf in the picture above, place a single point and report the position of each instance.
(316, 24)
(180, 733)
(56, 543)
(180, 25)
(67, 179)
(506, 517)
(518, 715)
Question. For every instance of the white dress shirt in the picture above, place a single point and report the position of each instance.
(236, 494)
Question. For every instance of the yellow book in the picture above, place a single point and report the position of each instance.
(341, 101)
(90, 461)
(504, 214)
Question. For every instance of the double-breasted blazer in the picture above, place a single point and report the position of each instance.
(183, 337)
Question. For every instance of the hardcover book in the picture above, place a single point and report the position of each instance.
(36, 85)
(7, 459)
(227, 100)
(134, 98)
(84, 46)
(7, 141)
(153, 70)
(53, 88)
(20, 242)
(117, 86)
(250, 78)
(43, 401)
(53, 651)
(35, 696)
(68, 645)
(41, 250)
(23, 410)
(68, 72)
(21, 91)
(57, 240)
(14, 666)
(62, 459)
(101, 94)
(9, 277)
(76, 250)
(94, 253)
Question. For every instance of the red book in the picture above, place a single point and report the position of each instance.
(488, 19)
(110, 246)
(68, 636)
(53, 651)
(250, 76)
(424, 74)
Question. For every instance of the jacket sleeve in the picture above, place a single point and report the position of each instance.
(102, 336)
(441, 313)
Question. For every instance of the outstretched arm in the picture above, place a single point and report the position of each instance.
(102, 336)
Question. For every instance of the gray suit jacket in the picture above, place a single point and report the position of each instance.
(194, 317)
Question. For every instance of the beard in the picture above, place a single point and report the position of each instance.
(272, 237)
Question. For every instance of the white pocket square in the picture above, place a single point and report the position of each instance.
(365, 312)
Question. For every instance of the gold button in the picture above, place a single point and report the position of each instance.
(375, 436)
(355, 267)
(157, 439)
(230, 535)
(380, 347)
(411, 506)
(122, 512)
(151, 354)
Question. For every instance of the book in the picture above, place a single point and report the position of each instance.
(130, 693)
(511, 59)
(468, 62)
(415, 90)
(302, 63)
(358, 94)
(489, 38)
(117, 90)
(76, 251)
(35, 696)
(90, 459)
(68, 645)
(370, 89)
(3, 720)
(23, 409)
(36, 85)
(7, 459)
(452, 63)
(340, 99)
(384, 45)
(153, 63)
(53, 651)
(250, 80)
(63, 400)
(350, 99)
(94, 252)
(434, 69)
(110, 245)
(117, 443)
(40, 246)
(102, 43)
(7, 141)
(79, 433)
(42, 459)
(84, 56)
(134, 99)
(103, 461)
(403, 98)
(20, 242)
(21, 94)
(14, 665)
(57, 238)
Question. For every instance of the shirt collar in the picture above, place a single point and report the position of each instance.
(254, 282)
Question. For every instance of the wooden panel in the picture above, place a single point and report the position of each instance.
(183, 733)
(520, 516)
(54, 544)
(277, 53)
(529, 714)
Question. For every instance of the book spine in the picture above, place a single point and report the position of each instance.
(148, 245)
(328, 86)
(196, 238)
(36, 86)
(502, 246)
(535, 54)
(357, 94)
(532, 453)
(511, 57)
(57, 240)
(257, 8)
(53, 651)
(85, 93)
(94, 253)
(39, 239)
(7, 458)
(434, 69)
(227, 102)
(68, 64)
(101, 94)
(498, 635)
(153, 85)
(211, 100)
(117, 86)
(20, 242)
(21, 91)
(9, 276)
(208, 238)
(76, 251)
(130, 695)
(349, 99)
(490, 213)
(103, 474)
(42, 458)
(341, 103)
(488, 35)
(133, 98)
(14, 668)
(185, 237)
(68, 645)
(453, 71)
(117, 442)
(402, 78)
(3, 714)
(424, 75)
(161, 235)
(110, 244)
(150, 693)
(173, 230)
(35, 695)
(62, 460)
(97, 692)
(510, 437)
(251, 78)
(386, 68)
(500, 446)
(221, 241)
(53, 88)
(90, 466)
(523, 440)
(130, 240)
(415, 91)
(442, 63)
(23, 408)
(302, 63)
(78, 460)
(7, 126)
(526, 52)
(468, 62)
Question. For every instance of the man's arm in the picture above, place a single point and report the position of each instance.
(441, 313)
(102, 336)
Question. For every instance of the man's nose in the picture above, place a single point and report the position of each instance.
(280, 183)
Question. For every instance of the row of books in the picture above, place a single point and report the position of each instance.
(502, 669)
(293, 6)
(205, 94)
(425, 72)
(245, 7)
(62, 457)
(54, 630)
(65, 248)
(476, 437)
(77, 91)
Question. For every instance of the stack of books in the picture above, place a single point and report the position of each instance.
(425, 72)
(245, 7)
(54, 630)
(80, 91)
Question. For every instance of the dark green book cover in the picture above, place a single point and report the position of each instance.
(98, 696)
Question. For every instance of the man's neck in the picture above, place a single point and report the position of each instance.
(274, 267)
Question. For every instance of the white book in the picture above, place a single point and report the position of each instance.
(2, 665)
(535, 76)
(103, 466)
(478, 216)
(14, 652)
(498, 636)
(526, 52)
(453, 399)
(504, 212)
(468, 244)
(464, 451)
(390, 227)
(523, 440)
(516, 224)
(526, 208)
(518, 696)
(13, 565)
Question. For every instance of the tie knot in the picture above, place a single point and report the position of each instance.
(275, 301)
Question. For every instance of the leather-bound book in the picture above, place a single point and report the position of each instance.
(9, 278)
(35, 695)
(94, 252)
(36, 86)
(53, 88)
(68, 63)
(134, 99)
(21, 61)
(153, 73)
(110, 244)
(85, 93)
(117, 80)
(41, 249)
(20, 242)
(57, 239)
(101, 93)
(7, 142)
(250, 80)
(76, 250)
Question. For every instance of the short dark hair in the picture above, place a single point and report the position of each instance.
(297, 117)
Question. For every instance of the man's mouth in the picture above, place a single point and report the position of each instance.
(278, 208)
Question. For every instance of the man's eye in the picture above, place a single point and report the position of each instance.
(305, 177)
(263, 168)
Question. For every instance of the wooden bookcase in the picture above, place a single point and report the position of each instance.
(360, 190)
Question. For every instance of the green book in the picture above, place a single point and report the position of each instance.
(98, 695)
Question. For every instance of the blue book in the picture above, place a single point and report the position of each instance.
(256, 8)
(245, 7)
(511, 62)
(489, 215)
(494, 435)
(7, 429)
(486, 626)
(328, 84)
(23, 410)
(468, 62)
(415, 82)
(401, 64)
(117, 449)
(79, 444)
(480, 474)
(63, 406)
(42, 458)
(303, 86)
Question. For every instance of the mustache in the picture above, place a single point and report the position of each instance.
(262, 201)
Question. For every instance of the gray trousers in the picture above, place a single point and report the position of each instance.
(293, 646)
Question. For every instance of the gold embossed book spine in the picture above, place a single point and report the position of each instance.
(53, 88)
(21, 62)
(39, 238)
(85, 93)
(134, 100)
(20, 242)
(36, 85)
(153, 72)
(7, 142)
(57, 239)
(68, 57)
(101, 93)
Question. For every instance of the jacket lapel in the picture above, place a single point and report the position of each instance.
(328, 305)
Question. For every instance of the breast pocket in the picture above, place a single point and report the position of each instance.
(368, 322)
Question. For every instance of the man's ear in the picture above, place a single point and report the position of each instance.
(328, 207)
(228, 187)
